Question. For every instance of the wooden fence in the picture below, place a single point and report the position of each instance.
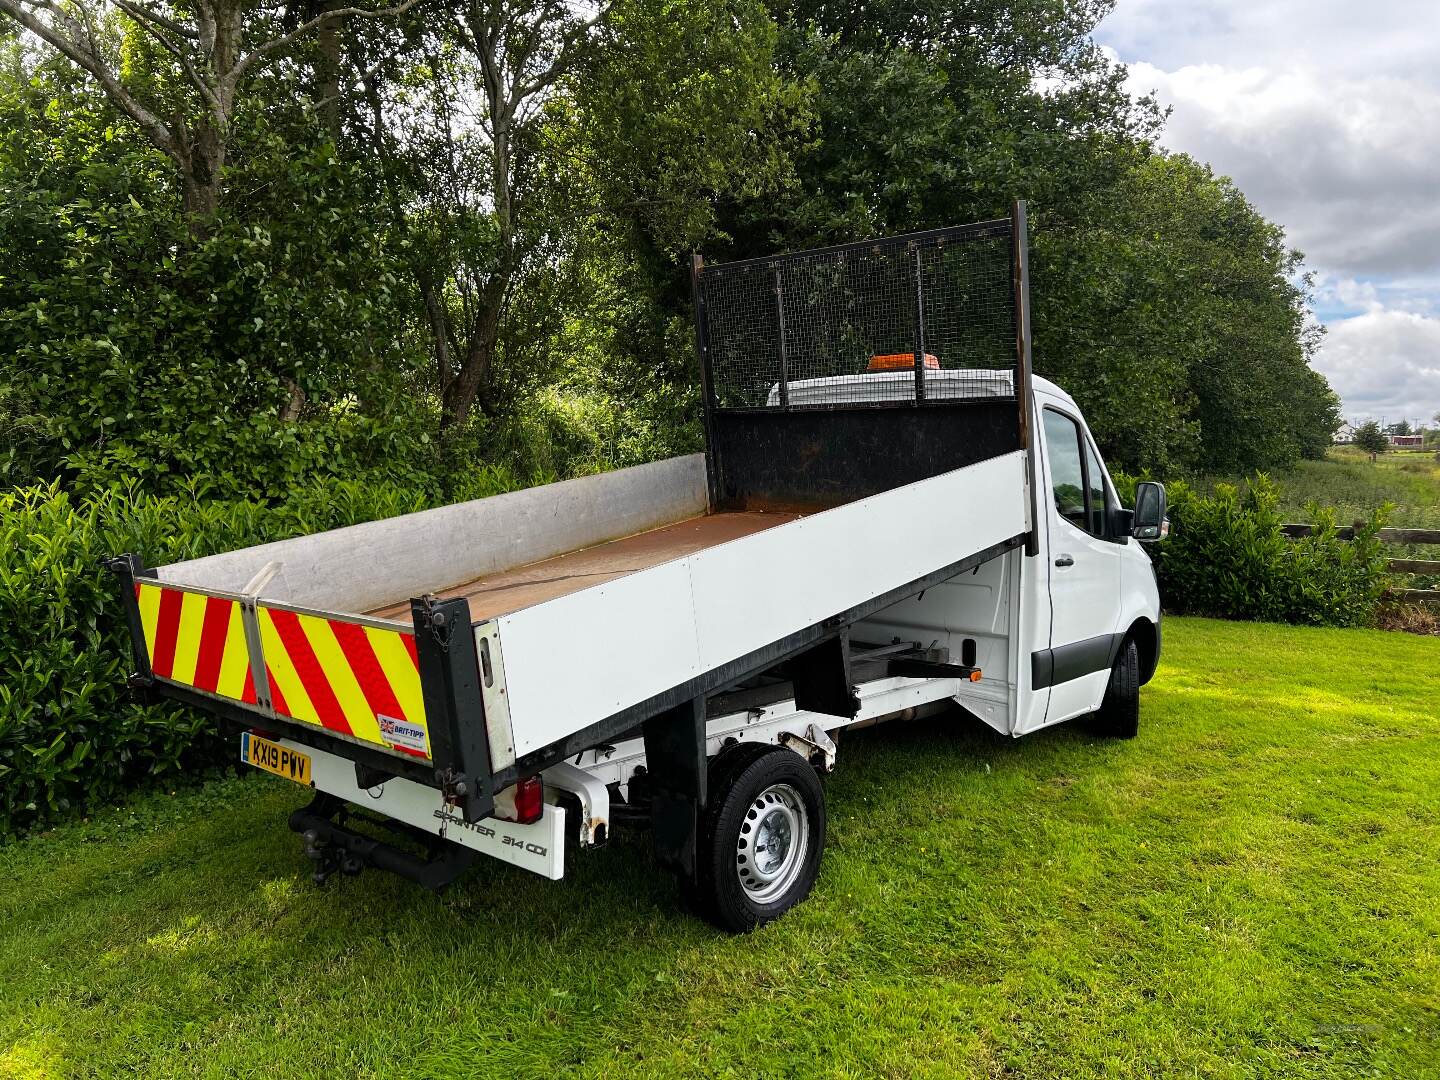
(1395, 566)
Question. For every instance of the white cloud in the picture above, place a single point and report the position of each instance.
(1341, 297)
(1351, 167)
(1341, 37)
(1384, 363)
(1327, 116)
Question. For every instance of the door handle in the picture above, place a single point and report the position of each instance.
(1064, 560)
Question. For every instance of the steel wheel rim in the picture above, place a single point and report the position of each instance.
(773, 841)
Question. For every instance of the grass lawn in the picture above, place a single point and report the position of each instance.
(1251, 888)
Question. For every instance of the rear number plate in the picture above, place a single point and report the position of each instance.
(274, 758)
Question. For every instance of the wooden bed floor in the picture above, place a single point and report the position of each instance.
(524, 586)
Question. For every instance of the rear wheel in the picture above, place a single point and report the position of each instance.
(761, 837)
(1119, 713)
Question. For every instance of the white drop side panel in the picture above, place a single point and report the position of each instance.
(578, 659)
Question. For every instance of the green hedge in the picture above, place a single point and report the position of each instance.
(1227, 557)
(71, 736)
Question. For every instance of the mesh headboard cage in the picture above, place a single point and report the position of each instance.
(928, 318)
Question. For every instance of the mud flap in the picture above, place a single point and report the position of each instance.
(821, 676)
(675, 759)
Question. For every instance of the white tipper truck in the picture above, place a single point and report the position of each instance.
(891, 517)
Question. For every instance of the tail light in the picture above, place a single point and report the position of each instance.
(522, 803)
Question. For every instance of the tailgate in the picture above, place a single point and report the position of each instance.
(346, 683)
(352, 677)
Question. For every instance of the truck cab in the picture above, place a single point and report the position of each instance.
(1100, 585)
(1088, 589)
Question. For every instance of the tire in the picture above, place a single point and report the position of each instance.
(759, 795)
(1119, 714)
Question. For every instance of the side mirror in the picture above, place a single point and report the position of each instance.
(1149, 522)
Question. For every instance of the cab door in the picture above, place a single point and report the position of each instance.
(1084, 569)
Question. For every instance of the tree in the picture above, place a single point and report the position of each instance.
(188, 109)
(660, 162)
(530, 146)
(459, 138)
(1400, 427)
(516, 190)
(1314, 414)
(274, 347)
(937, 113)
(911, 116)
(1371, 439)
(1173, 311)
(1225, 298)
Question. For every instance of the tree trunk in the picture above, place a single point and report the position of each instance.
(200, 156)
(462, 391)
(204, 148)
(439, 331)
(295, 405)
(331, 47)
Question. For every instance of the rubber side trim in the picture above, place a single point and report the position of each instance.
(1050, 667)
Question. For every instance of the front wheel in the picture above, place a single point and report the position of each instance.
(1119, 713)
(761, 839)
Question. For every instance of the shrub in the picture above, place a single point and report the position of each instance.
(562, 432)
(234, 457)
(1227, 557)
(1407, 618)
(71, 735)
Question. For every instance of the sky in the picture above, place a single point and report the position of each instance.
(1327, 115)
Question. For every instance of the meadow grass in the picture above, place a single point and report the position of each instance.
(1249, 889)
(1349, 481)
(1408, 481)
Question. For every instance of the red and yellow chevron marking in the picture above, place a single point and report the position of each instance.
(196, 640)
(341, 675)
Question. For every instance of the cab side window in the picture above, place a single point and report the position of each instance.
(1077, 479)
(1067, 469)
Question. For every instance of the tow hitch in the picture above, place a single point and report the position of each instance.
(334, 848)
(329, 859)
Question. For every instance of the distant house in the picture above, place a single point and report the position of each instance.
(1344, 435)
(1407, 441)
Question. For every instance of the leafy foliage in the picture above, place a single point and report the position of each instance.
(1162, 300)
(266, 352)
(1174, 317)
(1370, 438)
(398, 225)
(70, 733)
(1226, 556)
(426, 240)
